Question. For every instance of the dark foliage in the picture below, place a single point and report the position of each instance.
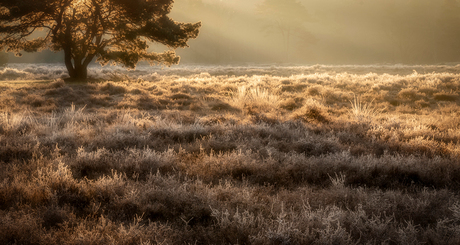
(115, 31)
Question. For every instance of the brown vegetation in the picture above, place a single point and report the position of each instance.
(305, 159)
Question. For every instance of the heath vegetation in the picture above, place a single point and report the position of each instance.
(213, 158)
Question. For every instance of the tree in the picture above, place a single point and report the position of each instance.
(110, 31)
(287, 17)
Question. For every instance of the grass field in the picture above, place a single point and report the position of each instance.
(202, 158)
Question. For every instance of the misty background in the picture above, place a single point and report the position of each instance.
(313, 32)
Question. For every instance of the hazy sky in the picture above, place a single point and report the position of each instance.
(339, 31)
(318, 31)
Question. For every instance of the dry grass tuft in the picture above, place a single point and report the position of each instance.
(362, 111)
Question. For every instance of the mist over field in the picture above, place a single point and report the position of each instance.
(51, 71)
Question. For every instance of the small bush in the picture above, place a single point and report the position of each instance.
(113, 89)
(442, 96)
(222, 106)
(291, 103)
(410, 94)
(314, 90)
(311, 113)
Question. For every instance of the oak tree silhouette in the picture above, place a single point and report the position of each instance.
(116, 31)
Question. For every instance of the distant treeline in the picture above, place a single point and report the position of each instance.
(332, 32)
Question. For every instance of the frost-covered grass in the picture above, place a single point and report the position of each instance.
(333, 157)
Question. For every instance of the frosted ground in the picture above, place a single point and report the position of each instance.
(230, 155)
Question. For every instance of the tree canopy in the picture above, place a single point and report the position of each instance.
(110, 31)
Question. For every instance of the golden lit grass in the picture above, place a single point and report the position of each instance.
(306, 159)
(24, 82)
(362, 110)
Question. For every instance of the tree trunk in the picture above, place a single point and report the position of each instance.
(77, 71)
(81, 72)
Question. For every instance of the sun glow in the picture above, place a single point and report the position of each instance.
(79, 4)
